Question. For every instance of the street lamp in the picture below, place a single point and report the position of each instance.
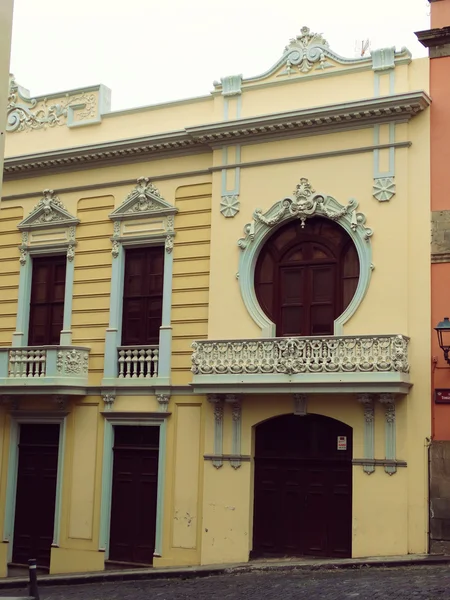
(443, 333)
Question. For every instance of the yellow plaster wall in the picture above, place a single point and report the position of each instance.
(10, 240)
(190, 294)
(91, 292)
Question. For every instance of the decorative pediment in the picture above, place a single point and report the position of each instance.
(309, 53)
(304, 204)
(144, 200)
(48, 212)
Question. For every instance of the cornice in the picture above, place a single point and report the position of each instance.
(431, 38)
(200, 139)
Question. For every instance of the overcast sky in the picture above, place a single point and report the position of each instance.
(151, 51)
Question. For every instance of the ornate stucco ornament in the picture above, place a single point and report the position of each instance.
(304, 204)
(25, 113)
(384, 188)
(48, 203)
(230, 205)
(306, 50)
(142, 198)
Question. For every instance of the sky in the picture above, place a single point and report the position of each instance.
(153, 51)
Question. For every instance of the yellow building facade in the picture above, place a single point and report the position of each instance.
(214, 327)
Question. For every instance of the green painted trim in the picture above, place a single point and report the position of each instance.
(13, 463)
(20, 336)
(165, 332)
(369, 432)
(114, 332)
(107, 470)
(390, 431)
(376, 154)
(66, 333)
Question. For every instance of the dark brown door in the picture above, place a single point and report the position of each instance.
(303, 488)
(134, 494)
(36, 493)
(47, 300)
(142, 297)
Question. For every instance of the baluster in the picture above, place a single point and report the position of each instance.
(36, 363)
(127, 364)
(12, 363)
(141, 363)
(27, 363)
(43, 362)
(21, 358)
(121, 363)
(148, 362)
(134, 364)
(155, 360)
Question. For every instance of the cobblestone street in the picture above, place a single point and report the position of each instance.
(417, 583)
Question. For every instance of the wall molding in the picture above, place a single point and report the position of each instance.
(218, 408)
(367, 401)
(200, 139)
(388, 400)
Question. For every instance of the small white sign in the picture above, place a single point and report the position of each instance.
(342, 442)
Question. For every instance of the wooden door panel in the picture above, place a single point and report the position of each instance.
(36, 495)
(134, 496)
(303, 488)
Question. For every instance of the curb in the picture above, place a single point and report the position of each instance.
(197, 572)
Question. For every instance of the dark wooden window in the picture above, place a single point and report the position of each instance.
(48, 285)
(143, 296)
(306, 277)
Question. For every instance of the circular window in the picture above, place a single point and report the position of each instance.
(306, 277)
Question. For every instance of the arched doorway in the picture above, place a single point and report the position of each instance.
(303, 487)
(305, 277)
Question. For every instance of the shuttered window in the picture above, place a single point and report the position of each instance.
(47, 300)
(143, 296)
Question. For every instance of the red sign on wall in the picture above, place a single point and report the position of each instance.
(442, 396)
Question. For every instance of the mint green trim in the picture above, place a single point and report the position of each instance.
(376, 153)
(13, 464)
(114, 331)
(107, 470)
(165, 332)
(66, 333)
(20, 336)
(307, 383)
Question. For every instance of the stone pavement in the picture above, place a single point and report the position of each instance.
(361, 583)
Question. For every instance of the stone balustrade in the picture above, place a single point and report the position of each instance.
(138, 362)
(46, 362)
(302, 355)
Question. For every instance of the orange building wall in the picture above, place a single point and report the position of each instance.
(440, 200)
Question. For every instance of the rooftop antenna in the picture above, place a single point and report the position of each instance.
(362, 48)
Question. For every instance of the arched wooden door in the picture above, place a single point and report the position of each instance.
(303, 487)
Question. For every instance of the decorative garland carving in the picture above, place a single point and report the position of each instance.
(27, 114)
(305, 204)
(292, 356)
(306, 50)
(72, 362)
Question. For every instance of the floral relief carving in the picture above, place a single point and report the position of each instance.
(169, 243)
(115, 249)
(70, 252)
(384, 188)
(307, 50)
(305, 204)
(23, 257)
(292, 356)
(46, 208)
(230, 205)
(108, 399)
(163, 401)
(72, 362)
(27, 114)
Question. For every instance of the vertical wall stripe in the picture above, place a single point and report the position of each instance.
(66, 333)
(20, 336)
(218, 405)
(369, 431)
(388, 400)
(105, 506)
(236, 411)
(160, 493)
(113, 333)
(165, 332)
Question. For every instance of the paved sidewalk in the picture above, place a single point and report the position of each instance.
(287, 565)
(425, 582)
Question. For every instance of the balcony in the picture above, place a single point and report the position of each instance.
(138, 362)
(60, 368)
(334, 364)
